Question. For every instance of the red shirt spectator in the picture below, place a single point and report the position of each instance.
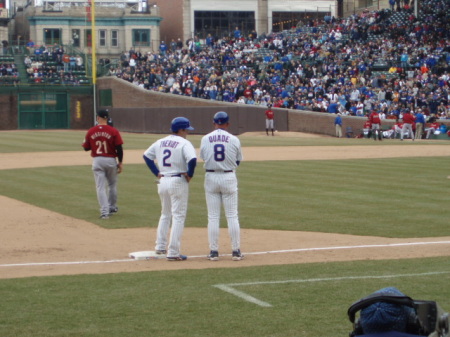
(248, 93)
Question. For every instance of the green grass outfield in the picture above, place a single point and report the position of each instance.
(400, 197)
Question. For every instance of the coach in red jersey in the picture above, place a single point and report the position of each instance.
(105, 143)
(408, 122)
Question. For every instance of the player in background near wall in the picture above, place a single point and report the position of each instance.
(269, 119)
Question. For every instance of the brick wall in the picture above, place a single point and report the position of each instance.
(140, 110)
(8, 112)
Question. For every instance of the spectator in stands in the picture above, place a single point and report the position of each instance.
(27, 61)
(173, 46)
(38, 53)
(237, 34)
(5, 47)
(163, 48)
(30, 47)
(66, 62)
(360, 108)
(442, 111)
(79, 62)
(72, 62)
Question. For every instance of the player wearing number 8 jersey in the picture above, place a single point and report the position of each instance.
(176, 160)
(221, 152)
(105, 144)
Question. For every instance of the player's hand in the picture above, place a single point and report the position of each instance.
(188, 179)
(119, 167)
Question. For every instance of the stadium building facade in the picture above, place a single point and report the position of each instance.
(197, 18)
(120, 25)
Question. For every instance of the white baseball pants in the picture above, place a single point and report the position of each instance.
(221, 188)
(173, 193)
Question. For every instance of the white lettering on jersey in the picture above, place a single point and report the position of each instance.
(169, 143)
(219, 138)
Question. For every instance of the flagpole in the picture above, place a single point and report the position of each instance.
(94, 53)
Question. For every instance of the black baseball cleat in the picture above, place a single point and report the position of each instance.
(177, 258)
(161, 252)
(113, 210)
(237, 255)
(213, 255)
(104, 216)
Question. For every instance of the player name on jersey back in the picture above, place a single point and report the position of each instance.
(101, 134)
(169, 143)
(219, 139)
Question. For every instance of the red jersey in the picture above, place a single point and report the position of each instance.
(375, 118)
(102, 141)
(408, 118)
(248, 93)
(367, 125)
(269, 114)
(435, 125)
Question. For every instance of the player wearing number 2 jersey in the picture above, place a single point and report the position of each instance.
(105, 144)
(176, 160)
(221, 152)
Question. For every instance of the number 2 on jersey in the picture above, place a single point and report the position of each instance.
(219, 152)
(166, 157)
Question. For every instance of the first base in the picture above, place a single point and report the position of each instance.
(146, 255)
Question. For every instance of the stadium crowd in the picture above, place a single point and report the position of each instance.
(53, 65)
(387, 60)
(8, 72)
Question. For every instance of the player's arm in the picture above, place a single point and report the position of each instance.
(119, 152)
(151, 165)
(191, 169)
(86, 145)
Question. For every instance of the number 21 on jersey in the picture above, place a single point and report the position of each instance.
(102, 147)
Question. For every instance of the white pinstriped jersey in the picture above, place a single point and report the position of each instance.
(172, 154)
(220, 150)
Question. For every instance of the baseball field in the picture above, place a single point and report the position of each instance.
(325, 221)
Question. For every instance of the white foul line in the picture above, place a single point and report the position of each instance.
(63, 263)
(247, 253)
(229, 288)
(352, 247)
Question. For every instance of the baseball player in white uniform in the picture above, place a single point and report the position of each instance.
(221, 152)
(176, 160)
